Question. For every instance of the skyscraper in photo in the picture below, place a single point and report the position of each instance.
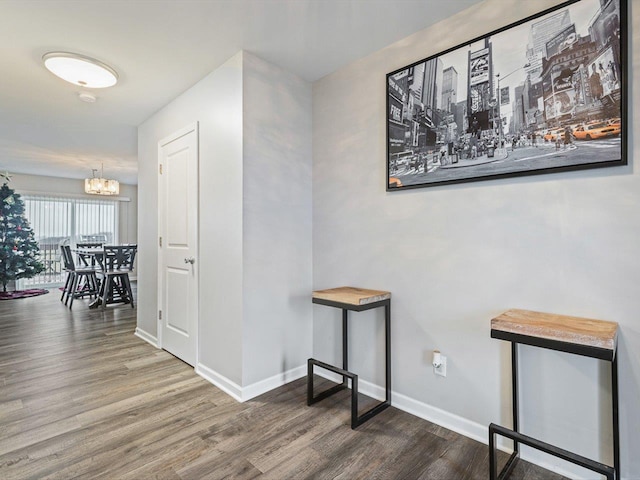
(540, 33)
(432, 83)
(417, 83)
(449, 89)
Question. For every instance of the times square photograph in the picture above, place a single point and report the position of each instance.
(541, 96)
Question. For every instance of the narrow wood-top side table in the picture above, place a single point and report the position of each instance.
(357, 300)
(580, 336)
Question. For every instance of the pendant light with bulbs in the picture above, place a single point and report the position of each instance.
(101, 185)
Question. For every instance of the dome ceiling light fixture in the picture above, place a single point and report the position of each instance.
(80, 70)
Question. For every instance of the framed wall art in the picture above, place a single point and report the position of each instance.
(543, 95)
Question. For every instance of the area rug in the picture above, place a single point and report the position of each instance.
(34, 292)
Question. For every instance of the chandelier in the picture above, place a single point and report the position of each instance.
(101, 186)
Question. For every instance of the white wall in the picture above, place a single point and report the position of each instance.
(127, 210)
(255, 222)
(216, 103)
(276, 220)
(456, 256)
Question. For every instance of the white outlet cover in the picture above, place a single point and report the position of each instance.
(442, 369)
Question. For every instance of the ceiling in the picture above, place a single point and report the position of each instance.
(160, 48)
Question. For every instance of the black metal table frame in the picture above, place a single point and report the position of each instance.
(356, 420)
(611, 473)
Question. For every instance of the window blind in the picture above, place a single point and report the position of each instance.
(58, 221)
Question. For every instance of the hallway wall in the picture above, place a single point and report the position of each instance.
(456, 256)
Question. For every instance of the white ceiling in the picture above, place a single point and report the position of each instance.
(160, 48)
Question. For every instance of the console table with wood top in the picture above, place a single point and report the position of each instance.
(356, 300)
(580, 336)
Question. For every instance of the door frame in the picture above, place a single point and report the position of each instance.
(192, 127)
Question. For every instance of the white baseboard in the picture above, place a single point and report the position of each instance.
(223, 383)
(450, 421)
(147, 337)
(419, 409)
(242, 394)
(263, 386)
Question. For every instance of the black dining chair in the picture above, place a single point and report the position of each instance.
(80, 282)
(115, 284)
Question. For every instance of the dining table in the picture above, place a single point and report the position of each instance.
(93, 257)
(90, 257)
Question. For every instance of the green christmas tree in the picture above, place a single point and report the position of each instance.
(18, 248)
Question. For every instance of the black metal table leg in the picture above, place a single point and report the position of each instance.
(354, 403)
(514, 391)
(345, 341)
(616, 420)
(356, 420)
(311, 399)
(493, 454)
(574, 458)
(387, 352)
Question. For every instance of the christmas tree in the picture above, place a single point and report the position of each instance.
(18, 248)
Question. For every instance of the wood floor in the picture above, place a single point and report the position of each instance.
(82, 397)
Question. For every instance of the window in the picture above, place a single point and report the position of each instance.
(60, 221)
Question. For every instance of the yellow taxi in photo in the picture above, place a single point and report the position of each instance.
(614, 121)
(596, 130)
(553, 135)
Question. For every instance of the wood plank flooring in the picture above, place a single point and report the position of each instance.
(82, 397)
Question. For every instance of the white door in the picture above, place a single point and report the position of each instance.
(178, 243)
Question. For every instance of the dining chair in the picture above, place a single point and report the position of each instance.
(85, 259)
(80, 282)
(115, 284)
(51, 256)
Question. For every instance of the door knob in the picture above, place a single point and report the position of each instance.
(190, 260)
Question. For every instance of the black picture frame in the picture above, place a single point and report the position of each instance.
(542, 95)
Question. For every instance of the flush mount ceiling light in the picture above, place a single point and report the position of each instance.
(80, 70)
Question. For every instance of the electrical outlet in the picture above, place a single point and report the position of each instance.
(442, 369)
